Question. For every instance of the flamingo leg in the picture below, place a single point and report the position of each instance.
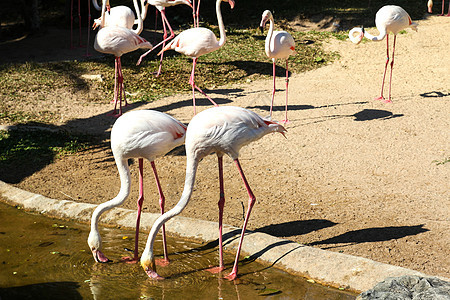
(165, 38)
(195, 87)
(448, 12)
(251, 202)
(221, 205)
(88, 28)
(71, 24)
(385, 68)
(197, 13)
(442, 13)
(392, 66)
(287, 85)
(162, 201)
(193, 12)
(119, 88)
(273, 89)
(79, 22)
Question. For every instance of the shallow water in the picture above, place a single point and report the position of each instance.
(50, 259)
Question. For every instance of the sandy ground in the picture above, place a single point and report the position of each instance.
(354, 175)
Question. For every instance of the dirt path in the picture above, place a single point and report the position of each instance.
(354, 175)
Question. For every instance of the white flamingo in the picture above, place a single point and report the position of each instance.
(195, 42)
(279, 45)
(389, 19)
(223, 130)
(161, 7)
(118, 41)
(137, 134)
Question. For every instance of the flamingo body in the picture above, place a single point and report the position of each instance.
(121, 16)
(223, 130)
(278, 45)
(137, 134)
(388, 19)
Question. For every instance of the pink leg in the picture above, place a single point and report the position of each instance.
(120, 88)
(88, 28)
(197, 13)
(287, 85)
(385, 68)
(140, 201)
(194, 86)
(79, 22)
(193, 12)
(164, 261)
(71, 24)
(116, 94)
(251, 202)
(273, 89)
(448, 12)
(221, 205)
(442, 13)
(390, 77)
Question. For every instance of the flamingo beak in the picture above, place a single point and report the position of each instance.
(231, 2)
(150, 269)
(261, 28)
(189, 4)
(100, 257)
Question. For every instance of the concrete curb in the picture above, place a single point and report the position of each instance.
(334, 269)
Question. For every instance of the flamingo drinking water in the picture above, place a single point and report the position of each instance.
(389, 19)
(223, 130)
(137, 134)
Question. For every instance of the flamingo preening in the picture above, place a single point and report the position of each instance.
(118, 41)
(137, 134)
(223, 130)
(389, 19)
(161, 7)
(121, 16)
(195, 42)
(278, 45)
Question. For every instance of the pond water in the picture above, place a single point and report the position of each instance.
(49, 258)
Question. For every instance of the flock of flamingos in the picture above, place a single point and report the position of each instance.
(222, 130)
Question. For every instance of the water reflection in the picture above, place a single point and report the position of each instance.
(50, 259)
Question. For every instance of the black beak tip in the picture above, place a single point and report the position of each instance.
(261, 29)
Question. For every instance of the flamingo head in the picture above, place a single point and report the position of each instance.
(97, 23)
(358, 38)
(95, 244)
(231, 2)
(149, 266)
(266, 16)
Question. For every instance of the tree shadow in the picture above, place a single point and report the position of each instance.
(295, 227)
(368, 235)
(48, 290)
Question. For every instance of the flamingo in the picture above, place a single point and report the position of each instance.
(118, 41)
(389, 18)
(223, 130)
(279, 44)
(137, 134)
(195, 42)
(430, 8)
(161, 7)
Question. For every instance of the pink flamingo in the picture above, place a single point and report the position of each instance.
(223, 130)
(118, 41)
(279, 44)
(195, 42)
(161, 7)
(389, 18)
(137, 134)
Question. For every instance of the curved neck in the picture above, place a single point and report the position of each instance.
(223, 36)
(191, 170)
(125, 183)
(144, 10)
(269, 34)
(140, 23)
(102, 23)
(379, 37)
(95, 3)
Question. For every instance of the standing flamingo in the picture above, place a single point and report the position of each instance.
(279, 44)
(137, 134)
(195, 42)
(389, 18)
(161, 7)
(223, 130)
(118, 41)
